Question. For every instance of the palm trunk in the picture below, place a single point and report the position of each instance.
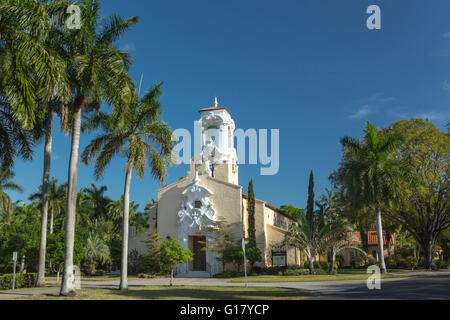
(44, 209)
(51, 221)
(379, 228)
(333, 259)
(67, 286)
(51, 231)
(125, 225)
(311, 259)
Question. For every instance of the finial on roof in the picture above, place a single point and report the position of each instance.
(216, 102)
(196, 178)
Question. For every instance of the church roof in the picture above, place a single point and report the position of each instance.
(211, 109)
(272, 207)
(214, 109)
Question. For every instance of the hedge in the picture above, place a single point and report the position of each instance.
(27, 280)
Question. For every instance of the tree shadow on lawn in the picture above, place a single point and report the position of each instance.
(212, 293)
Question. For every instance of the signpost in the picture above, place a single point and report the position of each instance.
(14, 270)
(245, 261)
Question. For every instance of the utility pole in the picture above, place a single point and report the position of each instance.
(14, 270)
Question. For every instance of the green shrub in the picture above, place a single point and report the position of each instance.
(293, 272)
(294, 267)
(407, 250)
(27, 280)
(359, 261)
(324, 265)
(372, 261)
(391, 263)
(100, 273)
(402, 263)
(273, 271)
(442, 264)
(320, 271)
(412, 262)
(148, 264)
(337, 265)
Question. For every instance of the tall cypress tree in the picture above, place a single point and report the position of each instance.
(310, 205)
(251, 215)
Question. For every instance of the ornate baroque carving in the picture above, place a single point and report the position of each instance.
(197, 211)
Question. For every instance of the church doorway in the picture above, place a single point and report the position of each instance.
(199, 262)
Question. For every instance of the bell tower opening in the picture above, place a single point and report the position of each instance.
(218, 156)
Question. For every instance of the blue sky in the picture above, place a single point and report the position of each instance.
(309, 68)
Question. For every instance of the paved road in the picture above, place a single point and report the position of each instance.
(423, 286)
(435, 287)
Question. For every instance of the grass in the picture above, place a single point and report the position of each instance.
(363, 271)
(181, 293)
(95, 278)
(308, 278)
(47, 286)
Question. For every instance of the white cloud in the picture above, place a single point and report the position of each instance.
(370, 105)
(128, 47)
(446, 35)
(435, 115)
(362, 112)
(446, 85)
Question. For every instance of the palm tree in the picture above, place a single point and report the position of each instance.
(315, 234)
(6, 176)
(138, 134)
(342, 237)
(31, 71)
(97, 72)
(95, 251)
(346, 240)
(115, 212)
(34, 79)
(370, 175)
(56, 199)
(9, 217)
(14, 139)
(98, 199)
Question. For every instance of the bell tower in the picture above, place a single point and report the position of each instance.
(218, 156)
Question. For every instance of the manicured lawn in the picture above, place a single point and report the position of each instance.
(29, 289)
(181, 293)
(363, 271)
(86, 278)
(339, 277)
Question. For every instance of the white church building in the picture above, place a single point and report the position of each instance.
(209, 192)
